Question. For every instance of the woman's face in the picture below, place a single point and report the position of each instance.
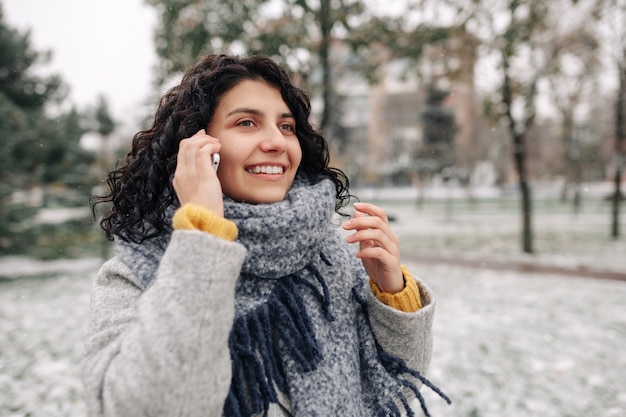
(260, 151)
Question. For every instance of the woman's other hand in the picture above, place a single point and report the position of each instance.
(379, 247)
(195, 181)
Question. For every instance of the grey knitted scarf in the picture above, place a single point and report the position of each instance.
(301, 325)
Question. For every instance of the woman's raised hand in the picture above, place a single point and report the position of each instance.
(195, 181)
(379, 247)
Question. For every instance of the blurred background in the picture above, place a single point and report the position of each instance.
(516, 99)
(492, 132)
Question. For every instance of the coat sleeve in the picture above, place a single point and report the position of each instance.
(405, 335)
(163, 351)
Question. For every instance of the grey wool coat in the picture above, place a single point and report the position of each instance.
(161, 348)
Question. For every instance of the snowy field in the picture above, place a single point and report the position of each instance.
(507, 343)
(519, 345)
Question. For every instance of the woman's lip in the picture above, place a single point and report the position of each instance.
(267, 178)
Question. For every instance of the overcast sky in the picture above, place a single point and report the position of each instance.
(99, 47)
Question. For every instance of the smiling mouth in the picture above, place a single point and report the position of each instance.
(266, 169)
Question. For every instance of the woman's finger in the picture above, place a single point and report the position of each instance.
(377, 220)
(372, 210)
(380, 255)
(189, 148)
(373, 237)
(195, 181)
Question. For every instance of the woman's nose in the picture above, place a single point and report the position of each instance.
(274, 140)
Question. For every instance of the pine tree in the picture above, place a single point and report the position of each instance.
(38, 149)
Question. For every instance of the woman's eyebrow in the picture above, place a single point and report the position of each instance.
(249, 110)
(245, 110)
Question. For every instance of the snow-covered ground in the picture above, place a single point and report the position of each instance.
(42, 323)
(519, 345)
(507, 343)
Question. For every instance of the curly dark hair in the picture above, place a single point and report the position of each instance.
(141, 186)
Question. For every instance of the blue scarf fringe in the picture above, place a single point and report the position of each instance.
(280, 323)
(397, 367)
(282, 326)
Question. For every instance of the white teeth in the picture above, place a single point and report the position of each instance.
(266, 170)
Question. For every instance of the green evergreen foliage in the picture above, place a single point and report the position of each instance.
(104, 123)
(439, 128)
(437, 119)
(39, 140)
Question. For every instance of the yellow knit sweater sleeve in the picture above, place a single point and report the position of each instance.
(195, 217)
(407, 300)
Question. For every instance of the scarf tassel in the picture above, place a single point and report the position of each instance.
(397, 367)
(322, 296)
(257, 341)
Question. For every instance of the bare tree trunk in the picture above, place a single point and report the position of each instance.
(5, 239)
(619, 153)
(576, 164)
(325, 25)
(572, 160)
(519, 157)
(578, 176)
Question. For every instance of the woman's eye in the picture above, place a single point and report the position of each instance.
(245, 123)
(287, 127)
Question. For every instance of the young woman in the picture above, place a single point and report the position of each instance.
(231, 292)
